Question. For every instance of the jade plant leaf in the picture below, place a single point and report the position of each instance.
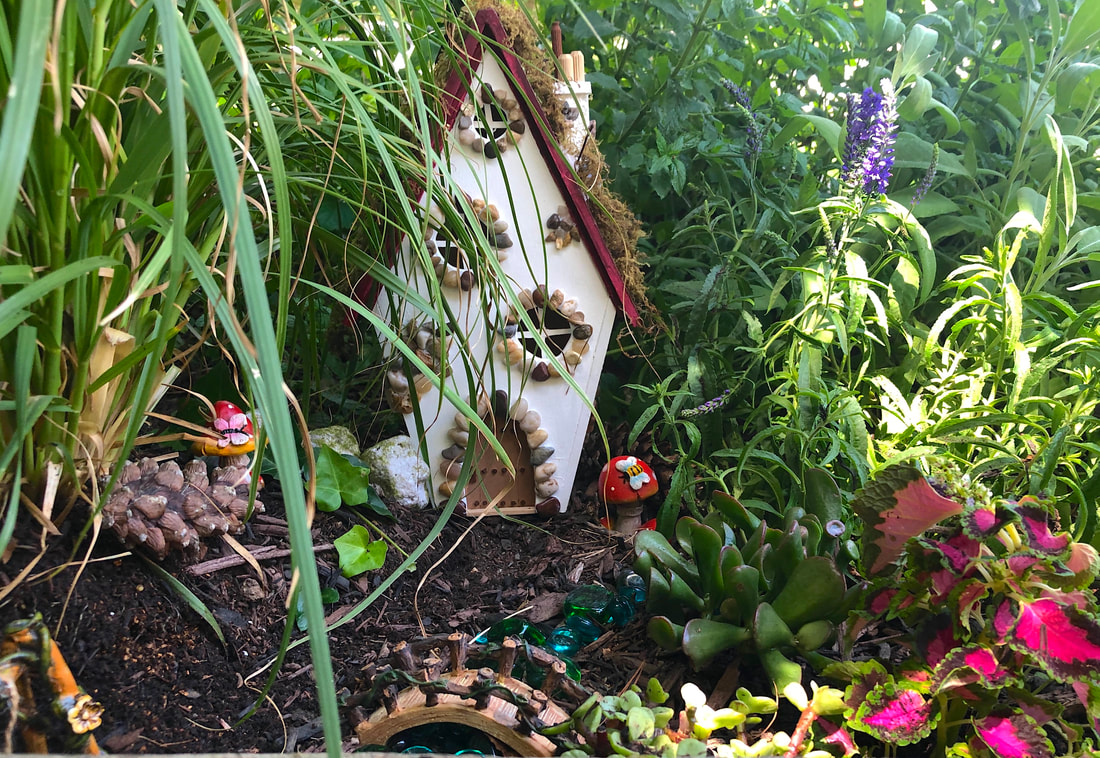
(896, 505)
(769, 631)
(666, 634)
(814, 590)
(703, 639)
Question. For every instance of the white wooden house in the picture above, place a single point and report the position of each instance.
(522, 189)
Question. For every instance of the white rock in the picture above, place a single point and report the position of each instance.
(339, 438)
(397, 472)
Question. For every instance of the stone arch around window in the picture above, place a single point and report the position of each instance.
(428, 347)
(562, 327)
(525, 423)
(452, 263)
(491, 124)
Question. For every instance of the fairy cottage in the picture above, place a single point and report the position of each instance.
(527, 331)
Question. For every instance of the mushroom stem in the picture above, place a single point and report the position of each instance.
(628, 517)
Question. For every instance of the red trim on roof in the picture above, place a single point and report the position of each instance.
(576, 199)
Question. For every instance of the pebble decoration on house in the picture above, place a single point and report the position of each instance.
(512, 350)
(428, 347)
(529, 422)
(562, 229)
(499, 124)
(451, 262)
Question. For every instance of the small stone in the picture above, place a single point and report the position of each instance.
(466, 280)
(540, 373)
(487, 94)
(451, 278)
(478, 145)
(541, 454)
(553, 222)
(539, 296)
(530, 422)
(571, 357)
(568, 307)
(454, 453)
(446, 487)
(465, 122)
(502, 241)
(510, 330)
(519, 408)
(582, 331)
(557, 299)
(491, 149)
(545, 471)
(338, 438)
(526, 299)
(518, 126)
(499, 227)
(397, 380)
(536, 438)
(450, 469)
(549, 507)
(459, 437)
(468, 137)
(547, 488)
(462, 422)
(501, 403)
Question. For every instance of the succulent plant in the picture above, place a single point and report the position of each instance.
(739, 581)
(161, 508)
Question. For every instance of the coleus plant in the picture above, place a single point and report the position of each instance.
(1000, 610)
(738, 581)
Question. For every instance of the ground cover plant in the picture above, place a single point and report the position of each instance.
(871, 238)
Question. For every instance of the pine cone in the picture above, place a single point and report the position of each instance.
(163, 508)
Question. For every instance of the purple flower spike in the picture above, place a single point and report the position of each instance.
(868, 157)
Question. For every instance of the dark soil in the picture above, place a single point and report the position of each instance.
(169, 686)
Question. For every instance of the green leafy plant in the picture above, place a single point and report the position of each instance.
(738, 582)
(640, 724)
(1000, 609)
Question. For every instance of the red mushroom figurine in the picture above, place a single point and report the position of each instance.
(234, 437)
(625, 482)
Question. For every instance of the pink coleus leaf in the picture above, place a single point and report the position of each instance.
(897, 505)
(982, 521)
(965, 666)
(895, 715)
(835, 734)
(1013, 735)
(1061, 638)
(1036, 523)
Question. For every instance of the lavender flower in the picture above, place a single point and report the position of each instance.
(753, 132)
(708, 407)
(868, 155)
(926, 180)
(737, 93)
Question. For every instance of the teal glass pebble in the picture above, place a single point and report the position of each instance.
(563, 641)
(631, 586)
(591, 600)
(586, 630)
(513, 627)
(619, 612)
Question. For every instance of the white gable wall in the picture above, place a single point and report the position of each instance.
(531, 261)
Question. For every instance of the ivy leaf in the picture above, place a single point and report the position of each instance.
(339, 481)
(358, 552)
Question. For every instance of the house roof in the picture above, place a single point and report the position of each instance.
(458, 90)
